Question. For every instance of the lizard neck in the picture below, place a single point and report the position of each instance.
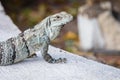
(52, 32)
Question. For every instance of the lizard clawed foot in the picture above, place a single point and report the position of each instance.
(59, 60)
(49, 59)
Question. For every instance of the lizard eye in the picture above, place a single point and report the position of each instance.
(57, 16)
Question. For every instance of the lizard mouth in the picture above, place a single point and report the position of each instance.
(63, 25)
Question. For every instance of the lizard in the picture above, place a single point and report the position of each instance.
(28, 42)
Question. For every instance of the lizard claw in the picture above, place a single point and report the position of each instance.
(61, 60)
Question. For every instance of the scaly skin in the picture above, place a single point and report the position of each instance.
(31, 40)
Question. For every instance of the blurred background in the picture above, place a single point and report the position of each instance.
(26, 13)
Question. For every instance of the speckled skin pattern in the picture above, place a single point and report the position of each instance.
(38, 38)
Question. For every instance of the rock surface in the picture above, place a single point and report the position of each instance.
(76, 68)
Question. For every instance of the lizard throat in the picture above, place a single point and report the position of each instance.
(53, 32)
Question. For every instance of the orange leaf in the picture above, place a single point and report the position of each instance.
(70, 36)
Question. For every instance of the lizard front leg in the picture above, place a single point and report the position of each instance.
(47, 57)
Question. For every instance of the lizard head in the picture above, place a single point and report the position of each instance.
(52, 25)
(60, 19)
(56, 22)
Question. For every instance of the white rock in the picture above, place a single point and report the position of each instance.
(90, 33)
